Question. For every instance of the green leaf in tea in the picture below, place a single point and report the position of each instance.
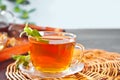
(30, 32)
(41, 40)
(34, 33)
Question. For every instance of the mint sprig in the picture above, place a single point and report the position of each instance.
(21, 59)
(30, 32)
(33, 33)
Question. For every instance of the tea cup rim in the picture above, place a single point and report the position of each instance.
(72, 34)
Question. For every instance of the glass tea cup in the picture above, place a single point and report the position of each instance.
(52, 55)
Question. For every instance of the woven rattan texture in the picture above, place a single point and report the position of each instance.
(99, 65)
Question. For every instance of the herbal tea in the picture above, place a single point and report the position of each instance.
(52, 56)
(52, 53)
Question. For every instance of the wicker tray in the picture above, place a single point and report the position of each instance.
(99, 65)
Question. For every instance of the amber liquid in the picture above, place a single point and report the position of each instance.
(48, 57)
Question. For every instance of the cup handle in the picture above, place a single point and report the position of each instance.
(78, 52)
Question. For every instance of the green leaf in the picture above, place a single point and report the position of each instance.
(41, 40)
(17, 9)
(21, 59)
(32, 10)
(30, 32)
(12, 0)
(25, 63)
(3, 7)
(20, 1)
(34, 33)
(16, 57)
(25, 14)
(0, 2)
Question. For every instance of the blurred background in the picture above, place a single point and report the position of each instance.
(68, 14)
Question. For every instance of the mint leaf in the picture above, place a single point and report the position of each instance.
(28, 30)
(21, 59)
(42, 40)
(31, 32)
(34, 33)
(20, 1)
(3, 7)
(17, 8)
(25, 14)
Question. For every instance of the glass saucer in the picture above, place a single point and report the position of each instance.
(74, 68)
